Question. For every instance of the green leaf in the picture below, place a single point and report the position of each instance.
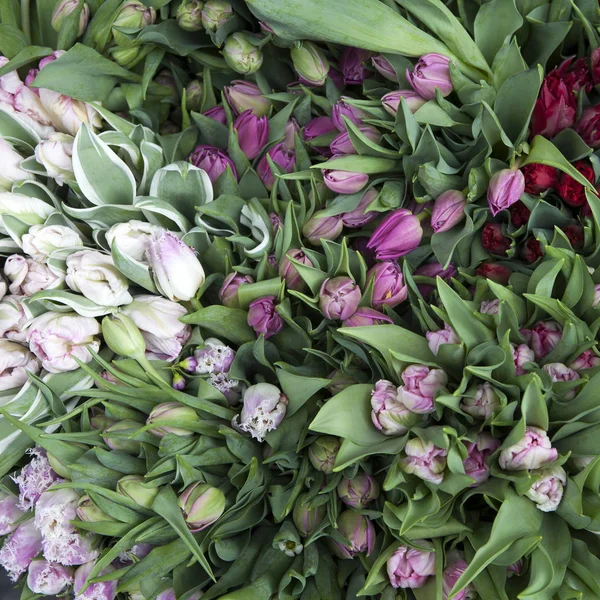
(26, 56)
(12, 40)
(230, 323)
(360, 164)
(298, 388)
(495, 21)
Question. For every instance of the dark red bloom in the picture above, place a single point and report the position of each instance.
(532, 250)
(588, 126)
(495, 272)
(572, 192)
(586, 211)
(519, 214)
(575, 73)
(539, 178)
(575, 235)
(555, 108)
(493, 240)
(595, 66)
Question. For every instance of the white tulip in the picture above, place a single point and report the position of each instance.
(15, 361)
(68, 114)
(11, 171)
(13, 318)
(28, 277)
(29, 210)
(132, 238)
(42, 240)
(55, 154)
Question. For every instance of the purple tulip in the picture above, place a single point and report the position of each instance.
(456, 567)
(384, 67)
(319, 227)
(345, 182)
(478, 454)
(358, 217)
(201, 505)
(217, 113)
(178, 382)
(388, 413)
(391, 101)
(365, 317)
(213, 357)
(289, 136)
(24, 544)
(410, 567)
(281, 156)
(353, 64)
(318, 127)
(425, 460)
(515, 568)
(48, 578)
(398, 234)
(489, 307)
(263, 317)
(358, 492)
(264, 408)
(559, 372)
(288, 272)
(245, 95)
(431, 72)
(342, 144)
(212, 160)
(9, 513)
(548, 490)
(228, 294)
(586, 360)
(436, 339)
(483, 404)
(104, 590)
(34, 479)
(543, 338)
(448, 211)
(307, 518)
(533, 451)
(433, 270)
(323, 452)
(359, 533)
(505, 188)
(522, 355)
(389, 288)
(343, 109)
(339, 298)
(421, 384)
(253, 133)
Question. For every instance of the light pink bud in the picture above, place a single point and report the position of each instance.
(478, 453)
(543, 337)
(48, 578)
(388, 413)
(9, 513)
(586, 360)
(391, 101)
(359, 532)
(483, 404)
(420, 386)
(450, 576)
(358, 492)
(263, 411)
(345, 182)
(27, 277)
(531, 452)
(522, 355)
(339, 298)
(104, 590)
(442, 336)
(431, 72)
(489, 307)
(547, 492)
(411, 567)
(24, 544)
(425, 460)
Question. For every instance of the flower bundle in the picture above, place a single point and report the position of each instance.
(299, 301)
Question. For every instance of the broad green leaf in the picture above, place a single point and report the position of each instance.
(495, 21)
(230, 323)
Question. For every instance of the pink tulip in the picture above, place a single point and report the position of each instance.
(411, 567)
(263, 316)
(478, 453)
(543, 338)
(440, 337)
(431, 72)
(388, 413)
(421, 384)
(398, 234)
(548, 490)
(425, 460)
(531, 452)
(483, 404)
(264, 408)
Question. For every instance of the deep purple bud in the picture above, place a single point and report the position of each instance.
(343, 109)
(320, 227)
(342, 144)
(384, 67)
(448, 210)
(431, 71)
(318, 127)
(391, 101)
(398, 234)
(358, 492)
(228, 294)
(345, 182)
(217, 113)
(253, 133)
(389, 288)
(263, 317)
(281, 156)
(288, 272)
(505, 188)
(365, 317)
(245, 95)
(359, 532)
(212, 160)
(353, 64)
(178, 382)
(339, 298)
(433, 270)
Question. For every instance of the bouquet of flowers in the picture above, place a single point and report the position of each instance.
(300, 300)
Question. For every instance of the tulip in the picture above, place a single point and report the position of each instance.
(358, 492)
(448, 211)
(560, 372)
(425, 460)
(245, 95)
(34, 479)
(264, 407)
(306, 517)
(216, 13)
(11, 165)
(555, 108)
(345, 182)
(391, 101)
(241, 54)
(532, 250)
(132, 238)
(64, 9)
(431, 72)
(213, 357)
(316, 128)
(282, 157)
(217, 113)
(389, 288)
(10, 513)
(433, 270)
(586, 360)
(263, 316)
(132, 15)
(228, 294)
(519, 213)
(538, 179)
(54, 510)
(339, 298)
(451, 575)
(384, 67)
(27, 276)
(498, 273)
(505, 188)
(289, 135)
(88, 512)
(212, 160)
(575, 236)
(68, 114)
(388, 413)
(352, 63)
(323, 452)
(122, 336)
(288, 272)
(489, 307)
(127, 426)
(343, 108)
(435, 339)
(127, 57)
(232, 389)
(493, 240)
(360, 216)
(478, 453)
(483, 404)
(522, 355)
(163, 414)
(55, 154)
(543, 338)
(42, 240)
(58, 338)
(398, 234)
(193, 96)
(189, 15)
(104, 590)
(48, 578)
(342, 144)
(548, 490)
(135, 488)
(310, 63)
(15, 362)
(253, 133)
(571, 191)
(364, 317)
(19, 550)
(533, 451)
(420, 386)
(359, 532)
(170, 595)
(515, 568)
(320, 227)
(411, 567)
(202, 505)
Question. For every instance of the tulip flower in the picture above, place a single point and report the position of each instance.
(10, 513)
(323, 452)
(448, 210)
(42, 240)
(11, 165)
(588, 126)
(353, 65)
(388, 413)
(241, 54)
(421, 383)
(135, 488)
(282, 157)
(289, 273)
(48, 578)
(384, 67)
(217, 113)
(88, 512)
(27, 276)
(391, 101)
(216, 13)
(232, 389)
(132, 238)
(245, 95)
(213, 357)
(359, 491)
(34, 479)
(586, 360)
(425, 460)
(15, 362)
(359, 532)
(307, 518)
(68, 114)
(505, 188)
(228, 294)
(18, 551)
(264, 407)
(316, 128)
(127, 426)
(55, 155)
(548, 490)
(170, 595)
(193, 95)
(398, 234)
(55, 509)
(519, 213)
(431, 72)
(433, 270)
(289, 135)
(538, 179)
(310, 63)
(522, 355)
(345, 182)
(494, 271)
(456, 567)
(389, 288)
(483, 404)
(163, 414)
(320, 227)
(189, 15)
(253, 133)
(364, 317)
(489, 307)
(342, 144)
(342, 108)
(435, 339)
(339, 298)
(123, 337)
(543, 337)
(559, 372)
(555, 108)
(493, 240)
(263, 316)
(103, 590)
(212, 160)
(360, 216)
(202, 505)
(478, 453)
(533, 451)
(411, 567)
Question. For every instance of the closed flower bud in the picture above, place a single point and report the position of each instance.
(103, 590)
(253, 133)
(241, 55)
(11, 164)
(134, 15)
(68, 114)
(489, 307)
(16, 360)
(559, 372)
(339, 298)
(310, 63)
(364, 317)
(264, 407)
(323, 452)
(505, 188)
(163, 415)
(435, 339)
(588, 126)
(388, 413)
(127, 57)
(202, 505)
(343, 108)
(193, 95)
(353, 65)
(64, 9)
(421, 383)
(478, 453)
(494, 271)
(391, 101)
(87, 511)
(282, 157)
(411, 567)
(27, 277)
(384, 67)
(538, 179)
(135, 488)
(48, 578)
(215, 13)
(548, 490)
(448, 210)
(586, 360)
(555, 108)
(345, 182)
(288, 272)
(483, 404)
(122, 336)
(228, 294)
(533, 451)
(132, 238)
(10, 513)
(493, 240)
(320, 227)
(358, 492)
(19, 549)
(306, 518)
(116, 442)
(431, 72)
(245, 95)
(389, 288)
(42, 240)
(522, 355)
(425, 460)
(317, 128)
(342, 144)
(456, 567)
(212, 160)
(359, 532)
(189, 15)
(263, 316)
(543, 337)
(398, 234)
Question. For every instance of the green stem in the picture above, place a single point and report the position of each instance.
(152, 372)
(196, 304)
(25, 20)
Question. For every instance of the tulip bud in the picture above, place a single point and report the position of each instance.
(410, 567)
(9, 513)
(489, 307)
(588, 127)
(316, 128)
(448, 210)
(425, 460)
(384, 67)
(193, 95)
(264, 407)
(538, 179)
(359, 532)
(483, 404)
(171, 411)
(126, 56)
(543, 338)
(391, 101)
(202, 505)
(522, 355)
(388, 413)
(322, 453)
(133, 15)
(282, 157)
(87, 511)
(19, 549)
(41, 241)
(497, 273)
(290, 131)
(320, 227)
(103, 590)
(421, 383)
(493, 240)
(27, 276)
(189, 15)
(55, 509)
(213, 357)
(505, 188)
(365, 317)
(339, 298)
(586, 360)
(48, 578)
(178, 381)
(228, 294)
(11, 161)
(456, 567)
(398, 234)
(342, 144)
(389, 288)
(64, 9)
(345, 182)
(212, 160)
(548, 490)
(288, 272)
(431, 72)
(352, 64)
(122, 336)
(122, 443)
(135, 488)
(34, 479)
(215, 13)
(217, 113)
(559, 372)
(478, 453)
(245, 95)
(132, 238)
(358, 492)
(443, 336)
(310, 63)
(241, 55)
(306, 518)
(253, 133)
(263, 316)
(533, 451)
(16, 361)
